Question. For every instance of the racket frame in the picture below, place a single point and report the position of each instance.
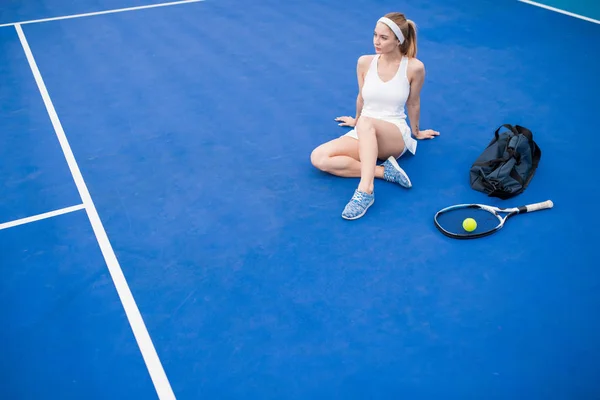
(510, 212)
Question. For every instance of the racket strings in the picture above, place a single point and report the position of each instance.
(452, 221)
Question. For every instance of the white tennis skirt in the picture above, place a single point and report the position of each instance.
(410, 143)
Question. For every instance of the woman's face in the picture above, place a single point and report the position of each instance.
(384, 39)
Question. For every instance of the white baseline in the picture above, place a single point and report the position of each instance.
(39, 217)
(558, 10)
(90, 14)
(155, 369)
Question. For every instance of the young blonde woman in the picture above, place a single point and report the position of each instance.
(389, 82)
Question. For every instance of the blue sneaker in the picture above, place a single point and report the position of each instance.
(358, 205)
(393, 173)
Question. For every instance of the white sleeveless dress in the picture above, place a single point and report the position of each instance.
(386, 100)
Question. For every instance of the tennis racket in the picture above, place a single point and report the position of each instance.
(450, 220)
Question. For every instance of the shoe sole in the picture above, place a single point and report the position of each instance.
(395, 164)
(359, 215)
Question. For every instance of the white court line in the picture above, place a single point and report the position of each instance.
(558, 10)
(157, 373)
(38, 217)
(33, 21)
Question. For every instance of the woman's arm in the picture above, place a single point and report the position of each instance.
(359, 106)
(416, 75)
(362, 66)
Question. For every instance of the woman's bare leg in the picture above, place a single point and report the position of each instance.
(377, 139)
(340, 157)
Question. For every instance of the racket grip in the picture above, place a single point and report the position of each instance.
(539, 206)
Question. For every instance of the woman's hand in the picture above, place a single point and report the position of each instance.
(427, 134)
(346, 121)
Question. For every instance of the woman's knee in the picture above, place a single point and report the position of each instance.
(319, 157)
(364, 126)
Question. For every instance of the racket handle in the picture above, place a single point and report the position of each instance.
(538, 206)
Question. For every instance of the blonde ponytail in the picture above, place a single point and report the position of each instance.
(409, 47)
(409, 31)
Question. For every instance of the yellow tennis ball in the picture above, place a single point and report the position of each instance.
(469, 224)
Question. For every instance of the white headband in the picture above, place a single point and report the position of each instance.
(392, 25)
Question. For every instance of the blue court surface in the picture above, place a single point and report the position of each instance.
(164, 234)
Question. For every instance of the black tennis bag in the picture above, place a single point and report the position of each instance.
(506, 166)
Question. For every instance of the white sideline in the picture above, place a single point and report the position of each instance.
(153, 364)
(558, 10)
(38, 217)
(90, 14)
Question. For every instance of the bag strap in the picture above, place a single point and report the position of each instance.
(509, 153)
(525, 132)
(513, 154)
(494, 191)
(536, 152)
(507, 126)
(513, 174)
(537, 155)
